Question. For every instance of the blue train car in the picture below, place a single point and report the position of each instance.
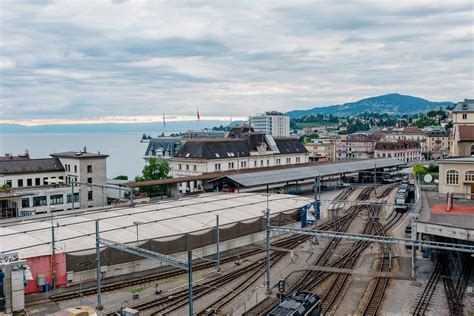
(299, 304)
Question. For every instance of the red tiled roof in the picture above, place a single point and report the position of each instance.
(412, 130)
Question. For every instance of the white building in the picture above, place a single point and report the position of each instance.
(240, 151)
(37, 186)
(274, 123)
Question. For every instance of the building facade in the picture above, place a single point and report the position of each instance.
(437, 143)
(322, 149)
(355, 147)
(249, 150)
(456, 175)
(38, 186)
(86, 167)
(273, 123)
(403, 150)
(462, 141)
(163, 147)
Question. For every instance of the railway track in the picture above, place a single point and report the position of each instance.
(313, 278)
(425, 298)
(381, 282)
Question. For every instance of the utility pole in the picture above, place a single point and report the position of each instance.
(99, 306)
(190, 282)
(72, 197)
(267, 232)
(218, 258)
(413, 249)
(375, 179)
(53, 255)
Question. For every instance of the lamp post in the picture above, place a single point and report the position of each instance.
(136, 224)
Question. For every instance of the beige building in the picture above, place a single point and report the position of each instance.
(437, 143)
(456, 175)
(322, 149)
(462, 141)
(86, 167)
(403, 150)
(354, 147)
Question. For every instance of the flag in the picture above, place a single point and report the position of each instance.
(198, 116)
(164, 121)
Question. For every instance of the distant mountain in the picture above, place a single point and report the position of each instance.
(393, 103)
(175, 127)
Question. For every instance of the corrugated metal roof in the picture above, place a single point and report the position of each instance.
(167, 219)
(30, 165)
(298, 174)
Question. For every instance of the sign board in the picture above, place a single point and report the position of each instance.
(9, 257)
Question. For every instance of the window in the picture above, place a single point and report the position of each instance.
(278, 161)
(89, 168)
(37, 181)
(452, 177)
(9, 182)
(25, 202)
(187, 167)
(20, 183)
(288, 160)
(89, 180)
(243, 164)
(464, 116)
(268, 162)
(231, 165)
(29, 182)
(56, 199)
(61, 178)
(217, 166)
(261, 163)
(194, 168)
(469, 176)
(298, 159)
(180, 167)
(75, 168)
(39, 201)
(45, 180)
(69, 197)
(89, 196)
(472, 150)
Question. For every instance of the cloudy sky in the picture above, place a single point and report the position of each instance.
(119, 60)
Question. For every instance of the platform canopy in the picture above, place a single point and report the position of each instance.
(309, 172)
(168, 219)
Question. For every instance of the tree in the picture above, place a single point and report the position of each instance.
(121, 177)
(156, 169)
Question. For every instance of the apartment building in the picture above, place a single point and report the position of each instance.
(354, 147)
(38, 186)
(403, 150)
(273, 123)
(322, 149)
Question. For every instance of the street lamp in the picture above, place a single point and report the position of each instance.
(136, 224)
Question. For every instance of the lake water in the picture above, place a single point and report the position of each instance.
(124, 149)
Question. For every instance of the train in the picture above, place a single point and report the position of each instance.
(402, 196)
(299, 304)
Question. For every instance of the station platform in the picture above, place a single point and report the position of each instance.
(435, 219)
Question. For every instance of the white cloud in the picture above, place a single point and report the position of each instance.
(75, 60)
(6, 63)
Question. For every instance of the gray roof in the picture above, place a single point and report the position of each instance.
(467, 159)
(466, 106)
(30, 166)
(309, 172)
(78, 154)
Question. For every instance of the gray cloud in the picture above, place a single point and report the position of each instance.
(63, 59)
